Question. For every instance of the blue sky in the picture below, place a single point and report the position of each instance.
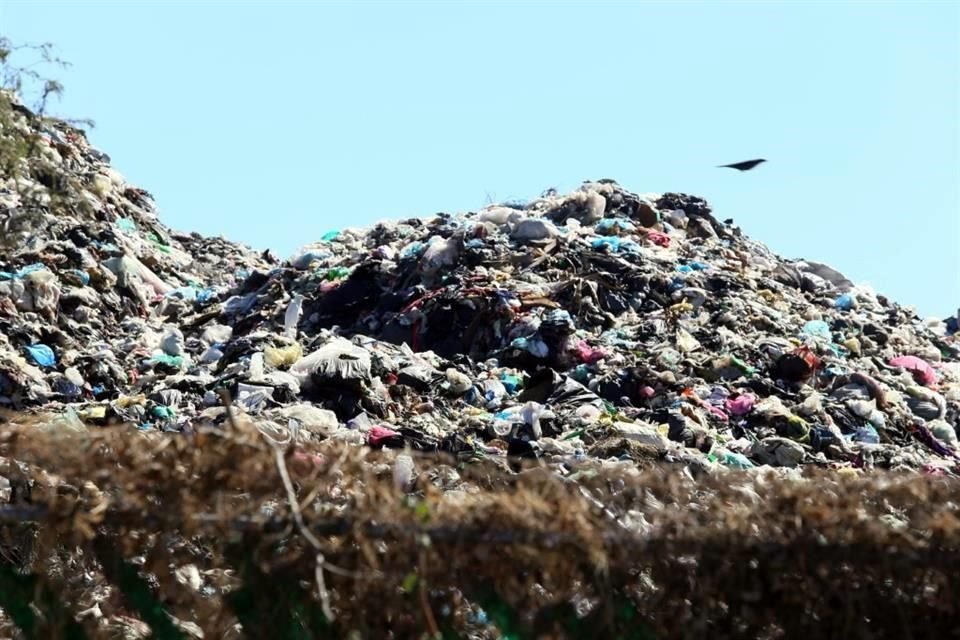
(272, 123)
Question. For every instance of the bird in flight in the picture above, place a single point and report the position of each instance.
(746, 165)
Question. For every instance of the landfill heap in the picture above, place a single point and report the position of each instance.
(602, 324)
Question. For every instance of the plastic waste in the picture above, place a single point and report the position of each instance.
(866, 434)
(511, 382)
(733, 460)
(281, 357)
(533, 229)
(458, 383)
(740, 405)
(175, 362)
(778, 452)
(536, 329)
(292, 316)
(921, 370)
(336, 273)
(644, 434)
(944, 432)
(439, 253)
(337, 359)
(817, 329)
(172, 342)
(412, 250)
(257, 369)
(253, 398)
(42, 355)
(379, 436)
(212, 354)
(311, 419)
(588, 354)
(305, 259)
(845, 302)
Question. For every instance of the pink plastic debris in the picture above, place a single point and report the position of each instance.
(378, 435)
(588, 354)
(741, 405)
(659, 238)
(302, 463)
(921, 369)
(327, 287)
(716, 412)
(933, 470)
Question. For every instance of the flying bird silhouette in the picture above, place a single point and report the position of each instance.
(746, 165)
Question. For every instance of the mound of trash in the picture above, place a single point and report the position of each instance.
(601, 324)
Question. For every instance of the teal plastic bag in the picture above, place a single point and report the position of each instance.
(42, 355)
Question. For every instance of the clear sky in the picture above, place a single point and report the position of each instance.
(272, 123)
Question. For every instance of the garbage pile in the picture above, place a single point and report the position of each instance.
(601, 324)
(89, 277)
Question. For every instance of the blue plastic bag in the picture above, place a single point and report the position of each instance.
(612, 226)
(817, 329)
(510, 381)
(205, 295)
(866, 434)
(413, 250)
(610, 243)
(844, 302)
(42, 355)
(735, 460)
(83, 276)
(185, 293)
(20, 274)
